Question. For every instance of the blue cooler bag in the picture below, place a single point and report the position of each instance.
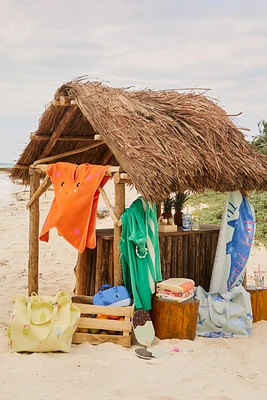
(112, 296)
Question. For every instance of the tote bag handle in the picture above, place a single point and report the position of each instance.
(213, 312)
(44, 325)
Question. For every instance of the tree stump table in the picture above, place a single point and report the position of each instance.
(174, 320)
(258, 299)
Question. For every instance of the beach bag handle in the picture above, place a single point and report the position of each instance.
(215, 311)
(45, 323)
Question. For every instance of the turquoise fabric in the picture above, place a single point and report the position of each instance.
(140, 255)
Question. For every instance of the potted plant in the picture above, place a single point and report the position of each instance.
(179, 201)
(167, 205)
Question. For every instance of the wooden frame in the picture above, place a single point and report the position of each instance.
(36, 190)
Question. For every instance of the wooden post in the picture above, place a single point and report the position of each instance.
(80, 271)
(33, 235)
(119, 209)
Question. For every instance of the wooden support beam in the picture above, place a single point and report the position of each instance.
(80, 138)
(81, 272)
(109, 206)
(119, 209)
(59, 129)
(42, 188)
(122, 178)
(68, 153)
(41, 168)
(107, 156)
(33, 235)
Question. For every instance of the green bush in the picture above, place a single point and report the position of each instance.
(212, 214)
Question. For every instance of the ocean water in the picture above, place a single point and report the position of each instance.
(7, 188)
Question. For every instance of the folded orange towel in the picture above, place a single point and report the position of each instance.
(177, 284)
(74, 208)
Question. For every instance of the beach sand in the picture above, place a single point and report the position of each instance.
(203, 369)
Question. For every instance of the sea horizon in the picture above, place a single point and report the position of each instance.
(7, 187)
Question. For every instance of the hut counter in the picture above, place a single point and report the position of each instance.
(188, 254)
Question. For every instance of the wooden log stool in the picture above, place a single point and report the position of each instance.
(174, 320)
(258, 299)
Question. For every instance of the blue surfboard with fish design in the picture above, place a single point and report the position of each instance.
(234, 243)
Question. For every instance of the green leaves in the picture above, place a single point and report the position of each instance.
(259, 142)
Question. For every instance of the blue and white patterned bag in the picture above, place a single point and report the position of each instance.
(224, 314)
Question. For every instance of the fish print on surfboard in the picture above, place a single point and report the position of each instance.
(240, 245)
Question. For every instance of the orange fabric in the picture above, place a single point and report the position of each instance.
(74, 207)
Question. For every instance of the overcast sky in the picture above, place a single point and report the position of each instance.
(160, 44)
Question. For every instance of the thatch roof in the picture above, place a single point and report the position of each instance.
(166, 141)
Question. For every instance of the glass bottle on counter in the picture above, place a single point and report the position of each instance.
(196, 222)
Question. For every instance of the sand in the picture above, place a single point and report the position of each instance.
(203, 369)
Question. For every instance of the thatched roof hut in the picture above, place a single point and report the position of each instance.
(159, 141)
(164, 140)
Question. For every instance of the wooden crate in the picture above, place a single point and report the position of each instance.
(88, 321)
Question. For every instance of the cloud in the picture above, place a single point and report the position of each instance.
(150, 43)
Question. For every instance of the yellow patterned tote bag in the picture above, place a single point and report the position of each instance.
(42, 323)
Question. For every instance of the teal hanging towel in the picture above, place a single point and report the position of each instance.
(140, 254)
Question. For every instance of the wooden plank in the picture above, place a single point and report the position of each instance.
(174, 260)
(204, 279)
(168, 256)
(93, 288)
(191, 267)
(68, 153)
(38, 166)
(80, 271)
(98, 339)
(185, 256)
(106, 324)
(202, 265)
(65, 138)
(162, 256)
(106, 310)
(82, 299)
(90, 287)
(110, 271)
(98, 269)
(119, 209)
(33, 261)
(196, 255)
(105, 262)
(203, 228)
(180, 270)
(65, 120)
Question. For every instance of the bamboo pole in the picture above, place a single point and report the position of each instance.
(33, 235)
(119, 209)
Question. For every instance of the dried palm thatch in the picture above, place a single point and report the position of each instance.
(166, 141)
